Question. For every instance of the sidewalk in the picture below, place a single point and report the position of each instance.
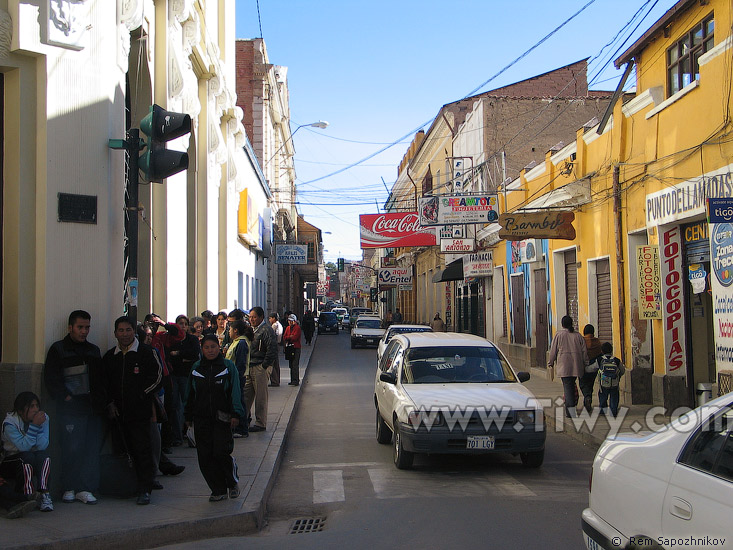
(181, 512)
(591, 429)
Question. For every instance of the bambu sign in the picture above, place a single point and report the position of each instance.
(537, 225)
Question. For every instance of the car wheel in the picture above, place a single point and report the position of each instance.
(384, 434)
(402, 458)
(533, 459)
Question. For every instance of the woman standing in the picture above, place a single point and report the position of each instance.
(292, 336)
(570, 355)
(214, 407)
(221, 326)
(309, 327)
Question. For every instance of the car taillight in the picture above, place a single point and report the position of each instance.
(590, 480)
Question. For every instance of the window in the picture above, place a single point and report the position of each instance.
(311, 252)
(711, 449)
(456, 364)
(682, 58)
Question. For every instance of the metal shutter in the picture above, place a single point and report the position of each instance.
(571, 286)
(603, 285)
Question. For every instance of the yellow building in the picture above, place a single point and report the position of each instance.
(645, 258)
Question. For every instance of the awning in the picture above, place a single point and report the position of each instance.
(573, 194)
(452, 272)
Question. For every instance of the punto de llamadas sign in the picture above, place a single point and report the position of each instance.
(295, 254)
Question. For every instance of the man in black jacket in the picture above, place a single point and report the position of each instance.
(131, 375)
(261, 358)
(71, 374)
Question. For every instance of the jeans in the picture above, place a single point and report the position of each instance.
(606, 394)
(571, 393)
(81, 442)
(178, 391)
(295, 366)
(586, 383)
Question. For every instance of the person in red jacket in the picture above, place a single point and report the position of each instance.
(292, 336)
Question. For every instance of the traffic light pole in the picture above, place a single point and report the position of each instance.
(132, 147)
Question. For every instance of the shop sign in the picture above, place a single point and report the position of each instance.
(394, 230)
(674, 322)
(480, 264)
(406, 288)
(458, 209)
(393, 276)
(650, 287)
(457, 245)
(537, 225)
(293, 254)
(720, 210)
(453, 232)
(722, 253)
(721, 263)
(697, 275)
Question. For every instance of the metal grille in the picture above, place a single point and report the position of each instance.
(307, 525)
(725, 382)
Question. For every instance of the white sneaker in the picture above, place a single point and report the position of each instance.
(46, 503)
(68, 497)
(86, 497)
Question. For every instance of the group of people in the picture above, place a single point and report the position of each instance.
(583, 358)
(163, 383)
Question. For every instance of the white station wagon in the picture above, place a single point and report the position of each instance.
(668, 489)
(454, 393)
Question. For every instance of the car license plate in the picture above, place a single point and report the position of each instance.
(591, 544)
(480, 442)
(370, 340)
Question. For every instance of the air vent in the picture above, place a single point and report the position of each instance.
(307, 525)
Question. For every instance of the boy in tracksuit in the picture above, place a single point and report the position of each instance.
(214, 406)
(610, 371)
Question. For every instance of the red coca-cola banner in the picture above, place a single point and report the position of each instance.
(394, 230)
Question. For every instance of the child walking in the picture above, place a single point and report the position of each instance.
(214, 406)
(610, 371)
(25, 439)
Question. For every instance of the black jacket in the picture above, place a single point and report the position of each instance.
(264, 346)
(213, 386)
(65, 375)
(130, 380)
(189, 351)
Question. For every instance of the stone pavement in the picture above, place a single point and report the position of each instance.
(181, 512)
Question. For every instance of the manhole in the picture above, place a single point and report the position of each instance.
(307, 525)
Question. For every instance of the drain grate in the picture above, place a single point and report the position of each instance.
(307, 525)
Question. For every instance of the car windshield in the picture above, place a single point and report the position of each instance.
(368, 323)
(404, 330)
(454, 364)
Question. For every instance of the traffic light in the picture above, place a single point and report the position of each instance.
(161, 126)
(373, 294)
(340, 264)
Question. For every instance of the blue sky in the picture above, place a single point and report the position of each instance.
(379, 70)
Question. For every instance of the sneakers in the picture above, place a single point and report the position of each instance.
(171, 469)
(68, 497)
(236, 435)
(217, 498)
(256, 428)
(21, 509)
(234, 491)
(143, 499)
(85, 496)
(46, 504)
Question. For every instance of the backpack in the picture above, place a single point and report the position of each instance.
(608, 372)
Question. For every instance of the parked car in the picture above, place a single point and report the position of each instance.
(340, 312)
(657, 490)
(328, 322)
(366, 332)
(454, 393)
(398, 329)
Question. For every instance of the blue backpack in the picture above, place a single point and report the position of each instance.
(608, 371)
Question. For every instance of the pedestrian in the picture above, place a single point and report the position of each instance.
(221, 326)
(262, 356)
(182, 355)
(277, 328)
(292, 339)
(209, 320)
(610, 371)
(238, 354)
(437, 324)
(309, 326)
(570, 356)
(214, 407)
(588, 379)
(388, 319)
(198, 325)
(234, 315)
(72, 376)
(25, 435)
(131, 375)
(397, 317)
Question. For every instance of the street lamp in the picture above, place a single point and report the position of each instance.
(322, 124)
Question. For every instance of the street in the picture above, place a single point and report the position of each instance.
(337, 478)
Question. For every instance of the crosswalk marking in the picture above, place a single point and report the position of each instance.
(337, 465)
(509, 486)
(328, 486)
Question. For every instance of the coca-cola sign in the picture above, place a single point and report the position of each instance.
(394, 230)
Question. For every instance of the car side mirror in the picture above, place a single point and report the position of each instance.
(388, 377)
(523, 376)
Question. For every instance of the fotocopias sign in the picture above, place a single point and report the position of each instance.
(394, 230)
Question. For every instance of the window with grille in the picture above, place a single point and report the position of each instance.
(682, 58)
(311, 252)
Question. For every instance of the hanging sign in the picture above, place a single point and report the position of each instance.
(480, 264)
(650, 289)
(537, 225)
(394, 230)
(294, 254)
(671, 262)
(457, 245)
(458, 209)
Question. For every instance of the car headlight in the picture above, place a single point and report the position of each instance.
(526, 417)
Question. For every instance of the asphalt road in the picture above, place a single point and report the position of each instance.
(336, 477)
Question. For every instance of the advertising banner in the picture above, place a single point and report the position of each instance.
(650, 282)
(294, 254)
(480, 264)
(518, 226)
(720, 210)
(458, 209)
(394, 230)
(670, 253)
(393, 276)
(721, 265)
(457, 245)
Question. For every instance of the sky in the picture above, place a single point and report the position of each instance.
(379, 71)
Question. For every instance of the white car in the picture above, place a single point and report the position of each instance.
(454, 393)
(398, 329)
(671, 488)
(367, 331)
